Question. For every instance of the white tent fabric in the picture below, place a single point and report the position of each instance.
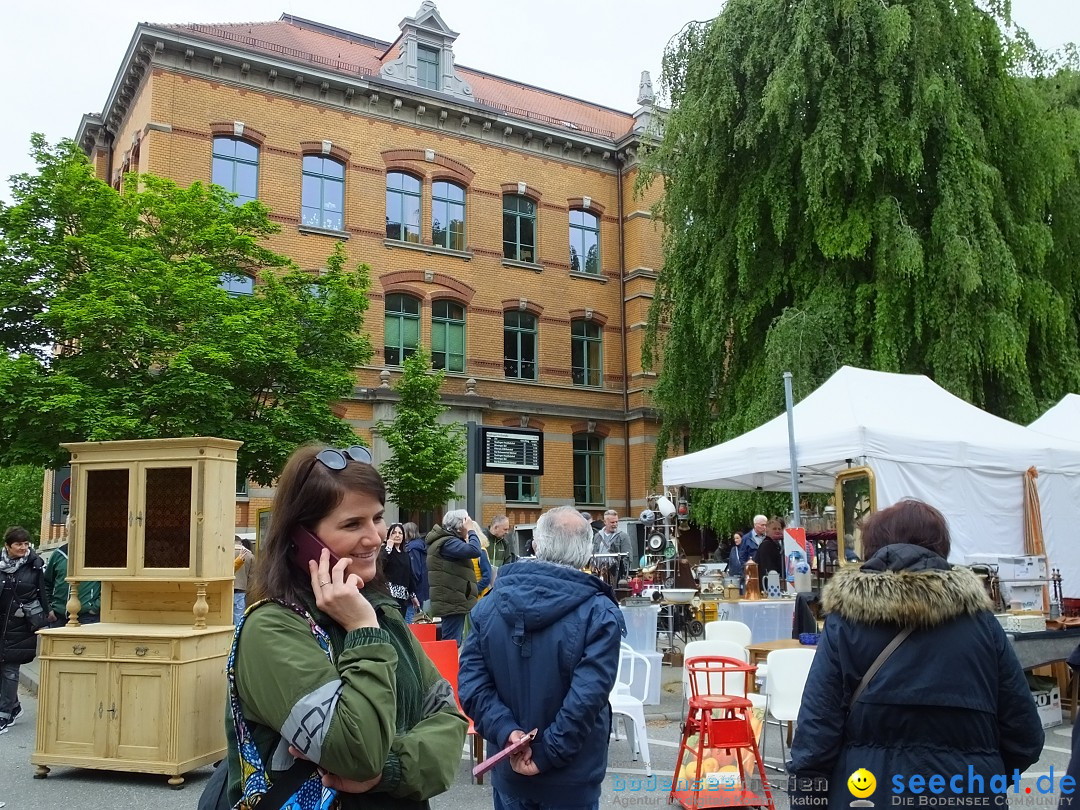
(921, 442)
(1063, 420)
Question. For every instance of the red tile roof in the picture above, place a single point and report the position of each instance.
(363, 56)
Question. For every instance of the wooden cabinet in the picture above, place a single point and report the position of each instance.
(145, 689)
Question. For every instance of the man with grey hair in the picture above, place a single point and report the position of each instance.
(543, 654)
(746, 546)
(451, 547)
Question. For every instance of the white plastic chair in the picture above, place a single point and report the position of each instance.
(729, 631)
(628, 708)
(733, 684)
(788, 671)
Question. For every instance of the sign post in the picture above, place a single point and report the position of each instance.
(500, 451)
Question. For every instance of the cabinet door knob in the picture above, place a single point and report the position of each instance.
(78, 649)
(142, 650)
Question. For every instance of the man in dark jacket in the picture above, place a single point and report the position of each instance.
(544, 653)
(23, 610)
(451, 548)
(499, 551)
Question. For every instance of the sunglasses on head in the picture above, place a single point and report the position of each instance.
(334, 459)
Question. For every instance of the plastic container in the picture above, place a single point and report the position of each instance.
(641, 626)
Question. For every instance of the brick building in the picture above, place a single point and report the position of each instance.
(499, 220)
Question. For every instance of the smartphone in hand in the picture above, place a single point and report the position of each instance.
(306, 546)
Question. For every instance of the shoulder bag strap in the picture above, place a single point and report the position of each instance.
(890, 648)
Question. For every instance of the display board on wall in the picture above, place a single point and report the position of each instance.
(511, 451)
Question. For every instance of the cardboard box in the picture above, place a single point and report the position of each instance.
(1011, 567)
(1047, 697)
(1018, 596)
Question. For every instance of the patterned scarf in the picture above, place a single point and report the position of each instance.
(9, 564)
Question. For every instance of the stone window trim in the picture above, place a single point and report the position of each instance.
(407, 168)
(515, 304)
(448, 176)
(454, 168)
(454, 288)
(590, 429)
(516, 189)
(398, 288)
(338, 153)
(591, 315)
(237, 129)
(447, 295)
(534, 424)
(593, 207)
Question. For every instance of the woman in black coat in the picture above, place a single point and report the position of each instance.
(951, 701)
(397, 567)
(23, 611)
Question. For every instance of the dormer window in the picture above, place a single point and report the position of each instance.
(427, 67)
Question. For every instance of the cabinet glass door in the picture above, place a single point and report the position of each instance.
(167, 509)
(106, 519)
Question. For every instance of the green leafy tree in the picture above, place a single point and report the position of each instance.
(116, 323)
(428, 456)
(890, 185)
(20, 498)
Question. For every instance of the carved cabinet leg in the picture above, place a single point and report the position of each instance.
(41, 771)
(176, 782)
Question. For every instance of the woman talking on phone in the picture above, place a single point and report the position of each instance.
(372, 711)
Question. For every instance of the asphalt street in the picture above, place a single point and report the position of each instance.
(626, 785)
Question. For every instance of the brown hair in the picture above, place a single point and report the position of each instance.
(307, 491)
(909, 521)
(16, 534)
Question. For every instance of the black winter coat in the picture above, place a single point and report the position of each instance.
(950, 698)
(18, 643)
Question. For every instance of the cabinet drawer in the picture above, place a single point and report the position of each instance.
(76, 647)
(141, 649)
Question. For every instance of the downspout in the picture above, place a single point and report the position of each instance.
(622, 332)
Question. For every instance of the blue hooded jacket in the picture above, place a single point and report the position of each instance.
(543, 653)
(417, 550)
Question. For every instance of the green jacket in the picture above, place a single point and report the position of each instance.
(500, 548)
(57, 590)
(381, 707)
(451, 580)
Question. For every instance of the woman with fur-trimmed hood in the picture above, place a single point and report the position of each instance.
(950, 701)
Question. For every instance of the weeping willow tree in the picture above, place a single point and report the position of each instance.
(885, 183)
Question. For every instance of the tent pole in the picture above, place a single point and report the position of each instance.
(797, 519)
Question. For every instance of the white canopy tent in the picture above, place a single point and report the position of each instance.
(921, 442)
(1063, 420)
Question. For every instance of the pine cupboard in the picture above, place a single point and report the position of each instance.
(144, 690)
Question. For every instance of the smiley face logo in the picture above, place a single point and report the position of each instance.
(861, 783)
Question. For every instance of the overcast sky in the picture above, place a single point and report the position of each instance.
(60, 56)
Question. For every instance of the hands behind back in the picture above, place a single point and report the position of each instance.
(522, 761)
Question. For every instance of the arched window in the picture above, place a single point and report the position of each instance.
(236, 168)
(588, 469)
(237, 284)
(402, 328)
(448, 215)
(584, 242)
(402, 207)
(519, 345)
(447, 335)
(519, 228)
(586, 352)
(322, 196)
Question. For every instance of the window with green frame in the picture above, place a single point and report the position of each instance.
(427, 67)
(448, 215)
(519, 345)
(235, 168)
(588, 469)
(402, 328)
(521, 488)
(586, 353)
(519, 228)
(402, 207)
(322, 193)
(584, 242)
(447, 335)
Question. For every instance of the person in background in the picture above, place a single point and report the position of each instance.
(417, 551)
(746, 545)
(770, 553)
(24, 608)
(451, 548)
(951, 698)
(397, 567)
(58, 590)
(378, 719)
(499, 549)
(482, 568)
(543, 653)
(242, 564)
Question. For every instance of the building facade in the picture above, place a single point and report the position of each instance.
(499, 220)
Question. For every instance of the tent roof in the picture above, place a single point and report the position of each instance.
(858, 415)
(1062, 420)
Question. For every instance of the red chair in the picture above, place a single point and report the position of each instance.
(444, 655)
(722, 722)
(425, 632)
